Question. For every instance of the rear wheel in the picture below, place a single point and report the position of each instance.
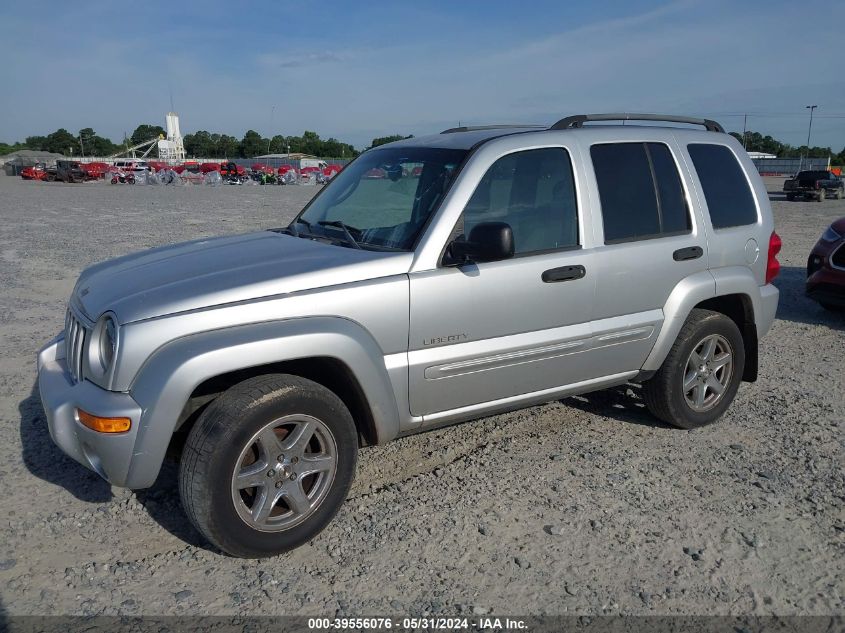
(821, 195)
(839, 194)
(267, 465)
(701, 374)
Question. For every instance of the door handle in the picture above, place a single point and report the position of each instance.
(690, 252)
(564, 273)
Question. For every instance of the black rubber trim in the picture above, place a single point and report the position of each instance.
(688, 253)
(564, 273)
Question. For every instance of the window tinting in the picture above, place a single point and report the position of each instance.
(729, 198)
(534, 192)
(640, 190)
(673, 204)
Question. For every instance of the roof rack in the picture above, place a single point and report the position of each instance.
(475, 128)
(578, 120)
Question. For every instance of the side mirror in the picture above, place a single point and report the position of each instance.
(488, 242)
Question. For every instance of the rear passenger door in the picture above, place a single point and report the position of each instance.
(649, 241)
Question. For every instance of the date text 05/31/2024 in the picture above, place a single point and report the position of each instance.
(387, 623)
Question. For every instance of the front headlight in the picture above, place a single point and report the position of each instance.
(830, 235)
(103, 347)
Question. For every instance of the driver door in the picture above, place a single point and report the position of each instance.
(489, 331)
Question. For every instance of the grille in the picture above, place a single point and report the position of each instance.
(75, 336)
(838, 257)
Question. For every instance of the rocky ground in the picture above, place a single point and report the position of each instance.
(588, 505)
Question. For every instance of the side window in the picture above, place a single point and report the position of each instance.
(726, 189)
(534, 192)
(640, 190)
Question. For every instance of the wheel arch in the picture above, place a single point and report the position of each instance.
(184, 375)
(730, 291)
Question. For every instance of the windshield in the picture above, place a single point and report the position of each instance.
(383, 198)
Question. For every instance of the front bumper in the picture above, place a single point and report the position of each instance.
(109, 455)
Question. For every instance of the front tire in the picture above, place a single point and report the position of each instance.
(701, 374)
(267, 465)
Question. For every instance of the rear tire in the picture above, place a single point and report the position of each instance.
(821, 196)
(700, 376)
(839, 194)
(267, 465)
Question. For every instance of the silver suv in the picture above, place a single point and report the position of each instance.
(434, 280)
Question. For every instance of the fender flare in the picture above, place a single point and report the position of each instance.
(170, 375)
(717, 282)
(686, 294)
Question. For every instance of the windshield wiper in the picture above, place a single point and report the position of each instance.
(294, 231)
(347, 230)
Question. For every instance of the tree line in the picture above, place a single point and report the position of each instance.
(198, 144)
(214, 145)
(756, 142)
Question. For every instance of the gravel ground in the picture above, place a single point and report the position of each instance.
(585, 506)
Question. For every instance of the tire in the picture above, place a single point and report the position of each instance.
(227, 440)
(664, 393)
(790, 197)
(838, 194)
(821, 196)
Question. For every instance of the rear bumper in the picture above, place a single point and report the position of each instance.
(766, 308)
(109, 455)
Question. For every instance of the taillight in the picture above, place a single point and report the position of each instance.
(773, 265)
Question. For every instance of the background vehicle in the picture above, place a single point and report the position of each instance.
(232, 173)
(95, 170)
(70, 171)
(521, 265)
(35, 172)
(826, 268)
(814, 185)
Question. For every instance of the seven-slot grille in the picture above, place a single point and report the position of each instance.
(75, 336)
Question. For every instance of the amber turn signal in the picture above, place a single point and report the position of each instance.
(103, 425)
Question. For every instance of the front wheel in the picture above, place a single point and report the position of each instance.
(701, 374)
(267, 465)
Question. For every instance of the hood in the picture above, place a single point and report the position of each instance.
(210, 272)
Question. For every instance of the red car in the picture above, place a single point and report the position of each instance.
(209, 167)
(36, 172)
(826, 268)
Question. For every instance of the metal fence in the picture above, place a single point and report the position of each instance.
(788, 166)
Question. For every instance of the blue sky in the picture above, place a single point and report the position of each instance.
(356, 70)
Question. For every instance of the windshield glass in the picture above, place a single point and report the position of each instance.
(383, 198)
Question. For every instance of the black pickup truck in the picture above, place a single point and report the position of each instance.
(69, 171)
(815, 185)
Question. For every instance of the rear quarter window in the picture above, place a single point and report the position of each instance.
(726, 189)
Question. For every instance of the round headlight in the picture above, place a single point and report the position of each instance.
(108, 342)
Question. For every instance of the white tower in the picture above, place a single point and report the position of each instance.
(172, 148)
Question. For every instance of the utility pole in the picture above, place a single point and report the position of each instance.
(744, 122)
(809, 130)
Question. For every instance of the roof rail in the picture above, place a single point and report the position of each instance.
(475, 128)
(578, 120)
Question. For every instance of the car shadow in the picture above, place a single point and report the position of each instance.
(163, 504)
(623, 403)
(795, 306)
(46, 461)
